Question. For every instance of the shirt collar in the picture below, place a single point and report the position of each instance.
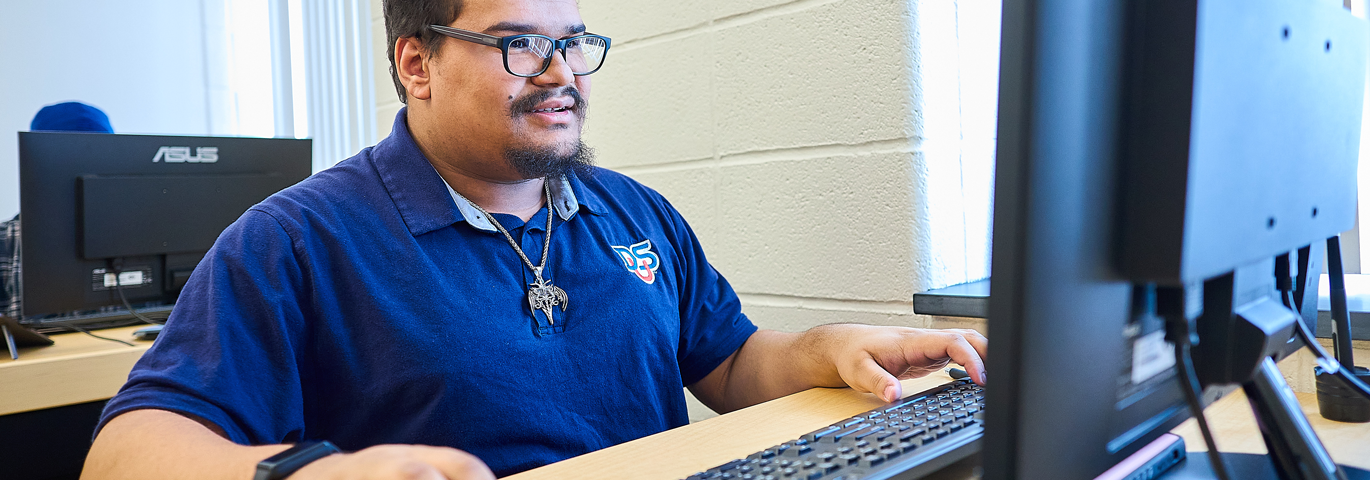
(426, 202)
(563, 201)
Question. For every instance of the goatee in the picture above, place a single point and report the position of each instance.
(547, 162)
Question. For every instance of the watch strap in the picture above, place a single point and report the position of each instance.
(281, 465)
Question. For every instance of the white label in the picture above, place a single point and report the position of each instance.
(1151, 356)
(125, 279)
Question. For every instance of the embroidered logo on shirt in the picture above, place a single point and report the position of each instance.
(639, 259)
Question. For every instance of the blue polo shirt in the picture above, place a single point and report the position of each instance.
(364, 306)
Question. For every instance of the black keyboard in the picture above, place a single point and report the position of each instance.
(911, 438)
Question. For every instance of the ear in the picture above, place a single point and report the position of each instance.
(411, 65)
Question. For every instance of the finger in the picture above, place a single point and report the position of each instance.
(960, 351)
(454, 464)
(871, 377)
(978, 341)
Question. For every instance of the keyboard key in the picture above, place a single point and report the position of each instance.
(907, 446)
(730, 465)
(847, 458)
(867, 432)
(872, 460)
(846, 432)
(820, 433)
(828, 467)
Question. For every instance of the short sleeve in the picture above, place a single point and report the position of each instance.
(231, 351)
(712, 325)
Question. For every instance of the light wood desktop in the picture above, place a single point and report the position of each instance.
(76, 369)
(81, 369)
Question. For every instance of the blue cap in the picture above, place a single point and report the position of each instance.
(71, 117)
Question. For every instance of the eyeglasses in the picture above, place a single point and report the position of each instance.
(529, 55)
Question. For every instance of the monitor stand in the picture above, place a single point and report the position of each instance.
(17, 335)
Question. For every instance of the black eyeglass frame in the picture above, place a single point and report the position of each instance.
(502, 43)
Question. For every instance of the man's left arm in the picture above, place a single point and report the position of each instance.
(773, 364)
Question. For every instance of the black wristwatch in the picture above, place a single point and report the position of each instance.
(281, 465)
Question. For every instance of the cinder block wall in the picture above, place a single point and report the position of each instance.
(791, 135)
(833, 156)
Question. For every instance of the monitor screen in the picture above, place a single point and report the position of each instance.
(110, 214)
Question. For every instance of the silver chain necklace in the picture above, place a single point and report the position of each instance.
(542, 295)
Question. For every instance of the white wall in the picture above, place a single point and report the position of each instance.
(138, 60)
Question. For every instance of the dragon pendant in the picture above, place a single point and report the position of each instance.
(542, 295)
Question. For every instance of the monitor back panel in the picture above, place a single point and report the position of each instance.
(156, 203)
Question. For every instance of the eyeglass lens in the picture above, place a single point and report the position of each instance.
(528, 55)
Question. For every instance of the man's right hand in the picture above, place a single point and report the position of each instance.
(401, 462)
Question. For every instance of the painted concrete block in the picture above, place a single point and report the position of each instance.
(831, 227)
(794, 319)
(385, 118)
(652, 105)
(724, 9)
(692, 192)
(626, 21)
(697, 410)
(837, 73)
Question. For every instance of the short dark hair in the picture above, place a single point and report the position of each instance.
(411, 18)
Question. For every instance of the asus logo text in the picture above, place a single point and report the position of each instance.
(182, 155)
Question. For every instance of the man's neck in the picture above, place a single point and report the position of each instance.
(522, 198)
(484, 178)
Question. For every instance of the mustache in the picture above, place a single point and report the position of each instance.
(528, 102)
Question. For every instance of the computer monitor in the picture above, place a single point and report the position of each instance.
(1155, 160)
(110, 214)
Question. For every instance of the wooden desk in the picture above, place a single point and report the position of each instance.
(81, 369)
(693, 448)
(76, 369)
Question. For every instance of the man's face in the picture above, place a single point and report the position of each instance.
(494, 114)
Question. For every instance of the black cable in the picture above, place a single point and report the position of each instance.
(115, 265)
(1341, 320)
(87, 332)
(1330, 364)
(119, 287)
(1189, 382)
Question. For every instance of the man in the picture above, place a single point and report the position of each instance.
(469, 283)
(58, 117)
